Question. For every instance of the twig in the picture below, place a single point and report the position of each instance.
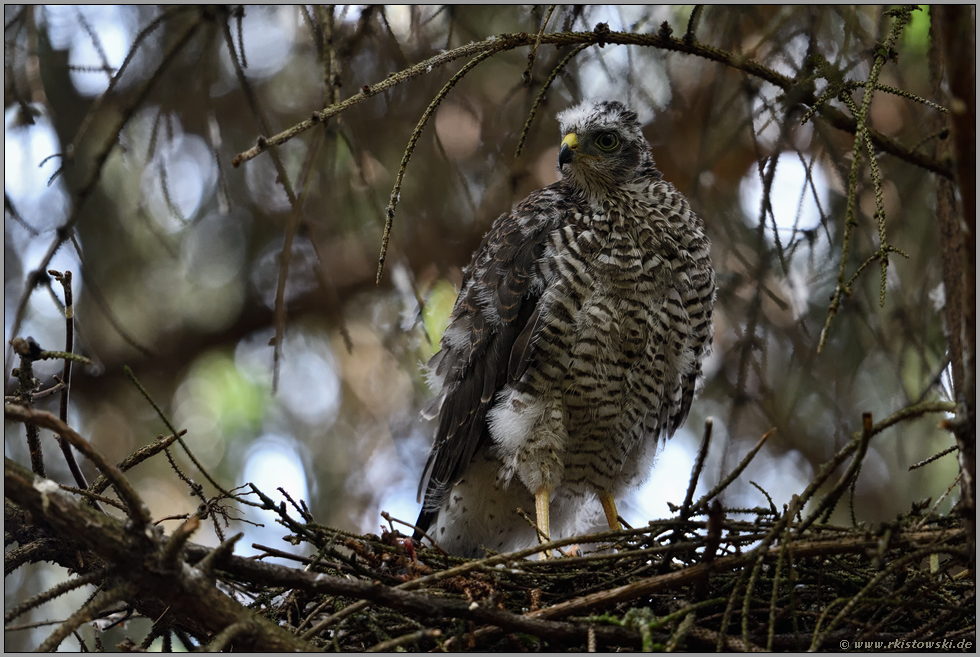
(137, 457)
(692, 23)
(29, 351)
(692, 484)
(828, 468)
(179, 437)
(54, 592)
(829, 501)
(65, 280)
(84, 615)
(171, 552)
(226, 636)
(405, 639)
(285, 257)
(540, 96)
(534, 48)
(861, 135)
(136, 509)
(407, 156)
(733, 475)
(85, 191)
(93, 497)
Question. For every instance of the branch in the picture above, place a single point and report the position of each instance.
(505, 42)
(138, 512)
(190, 598)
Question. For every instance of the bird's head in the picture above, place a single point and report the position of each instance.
(602, 147)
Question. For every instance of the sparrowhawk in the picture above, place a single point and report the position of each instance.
(574, 347)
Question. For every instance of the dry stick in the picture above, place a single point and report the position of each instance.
(619, 554)
(414, 637)
(171, 553)
(431, 606)
(387, 516)
(84, 492)
(54, 592)
(65, 280)
(932, 510)
(283, 179)
(702, 503)
(40, 549)
(253, 104)
(478, 564)
(416, 135)
(226, 636)
(30, 626)
(88, 187)
(829, 502)
(136, 509)
(86, 614)
(218, 554)
(828, 468)
(696, 470)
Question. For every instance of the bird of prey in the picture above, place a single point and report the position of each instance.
(574, 347)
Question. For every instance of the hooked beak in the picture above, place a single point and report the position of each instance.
(569, 146)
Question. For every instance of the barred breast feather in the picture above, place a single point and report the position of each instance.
(575, 345)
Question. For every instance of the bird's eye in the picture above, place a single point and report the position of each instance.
(607, 141)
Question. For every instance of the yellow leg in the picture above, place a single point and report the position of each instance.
(609, 506)
(542, 500)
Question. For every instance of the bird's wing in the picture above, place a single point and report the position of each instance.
(696, 296)
(486, 336)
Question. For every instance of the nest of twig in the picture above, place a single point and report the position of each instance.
(709, 578)
(676, 584)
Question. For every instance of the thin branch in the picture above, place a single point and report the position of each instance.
(413, 140)
(86, 614)
(862, 133)
(179, 437)
(65, 280)
(134, 459)
(136, 509)
(506, 42)
(54, 592)
(534, 49)
(87, 188)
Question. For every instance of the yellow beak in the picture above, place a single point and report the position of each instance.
(569, 145)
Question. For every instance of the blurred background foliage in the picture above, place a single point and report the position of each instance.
(176, 253)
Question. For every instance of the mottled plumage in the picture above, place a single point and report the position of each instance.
(574, 347)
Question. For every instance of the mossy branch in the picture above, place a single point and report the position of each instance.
(862, 140)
